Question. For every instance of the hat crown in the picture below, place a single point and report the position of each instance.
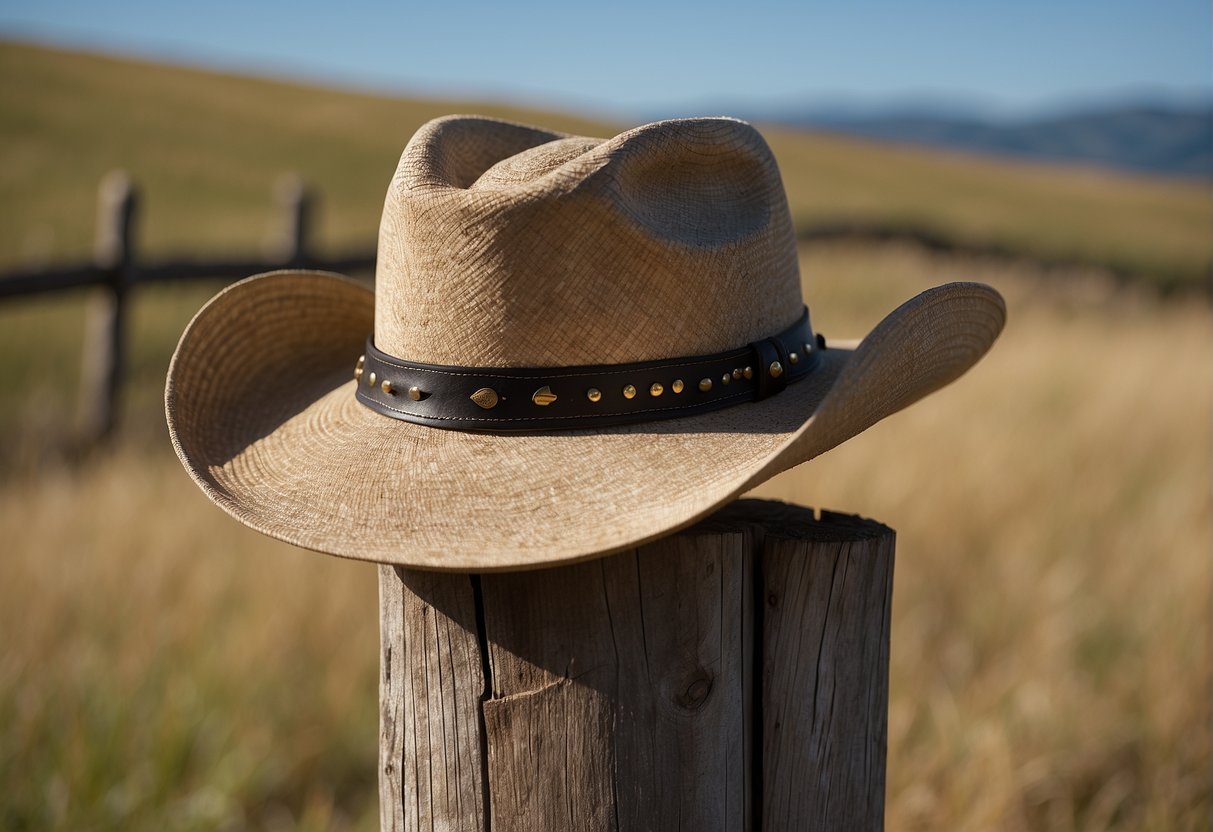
(506, 245)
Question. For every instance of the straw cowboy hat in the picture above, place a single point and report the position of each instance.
(573, 346)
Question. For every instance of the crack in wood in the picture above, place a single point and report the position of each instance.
(486, 669)
(730, 678)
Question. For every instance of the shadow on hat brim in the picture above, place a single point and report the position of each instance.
(261, 410)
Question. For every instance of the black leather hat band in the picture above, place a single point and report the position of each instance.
(513, 399)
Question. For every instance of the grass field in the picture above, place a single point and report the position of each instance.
(161, 667)
(207, 148)
(1050, 653)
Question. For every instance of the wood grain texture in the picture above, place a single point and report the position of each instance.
(430, 689)
(635, 667)
(732, 677)
(828, 595)
(549, 721)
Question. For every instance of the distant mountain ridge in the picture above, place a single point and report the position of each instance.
(1154, 138)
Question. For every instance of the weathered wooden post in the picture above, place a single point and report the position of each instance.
(734, 676)
(104, 335)
(295, 204)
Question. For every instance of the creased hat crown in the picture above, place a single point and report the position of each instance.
(506, 245)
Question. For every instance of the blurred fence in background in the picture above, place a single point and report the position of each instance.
(115, 270)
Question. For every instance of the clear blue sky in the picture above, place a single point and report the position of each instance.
(631, 57)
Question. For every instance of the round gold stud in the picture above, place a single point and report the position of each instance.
(748, 372)
(358, 368)
(808, 348)
(737, 374)
(677, 385)
(656, 390)
(793, 358)
(371, 379)
(415, 393)
(386, 387)
(594, 394)
(705, 384)
(629, 392)
(776, 369)
(726, 378)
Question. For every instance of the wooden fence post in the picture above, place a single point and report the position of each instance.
(733, 676)
(295, 204)
(104, 334)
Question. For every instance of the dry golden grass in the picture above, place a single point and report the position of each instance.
(165, 668)
(1050, 653)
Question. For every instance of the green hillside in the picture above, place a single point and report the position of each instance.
(207, 147)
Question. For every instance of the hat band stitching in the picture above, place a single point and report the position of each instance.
(379, 404)
(522, 396)
(545, 372)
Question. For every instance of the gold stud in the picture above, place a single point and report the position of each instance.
(776, 369)
(543, 396)
(736, 373)
(415, 393)
(748, 372)
(358, 368)
(726, 378)
(705, 384)
(370, 381)
(629, 392)
(656, 390)
(808, 348)
(485, 397)
(594, 394)
(677, 385)
(793, 358)
(387, 387)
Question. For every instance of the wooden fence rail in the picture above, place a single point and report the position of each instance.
(115, 269)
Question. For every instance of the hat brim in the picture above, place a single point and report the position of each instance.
(261, 411)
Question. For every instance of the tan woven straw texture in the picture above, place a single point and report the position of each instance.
(505, 245)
